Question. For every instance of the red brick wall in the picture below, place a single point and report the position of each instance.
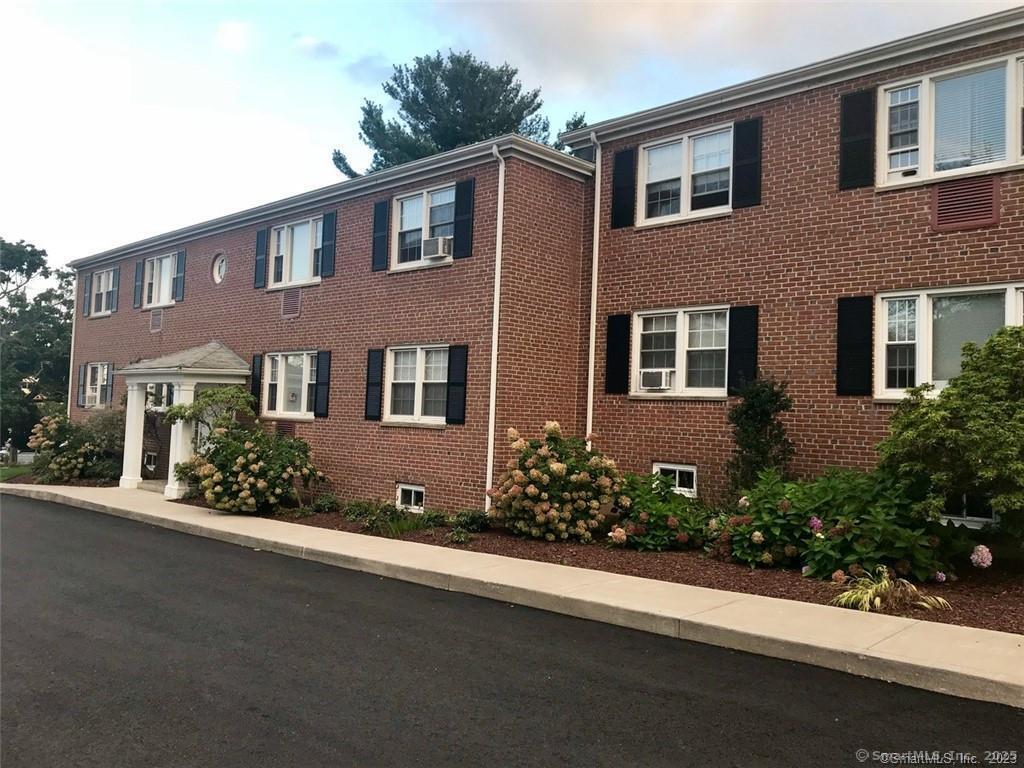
(794, 255)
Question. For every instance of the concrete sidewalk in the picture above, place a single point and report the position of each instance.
(961, 661)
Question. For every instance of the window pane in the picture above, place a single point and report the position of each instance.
(411, 216)
(707, 329)
(900, 366)
(292, 383)
(658, 342)
(435, 399)
(957, 320)
(403, 399)
(705, 368)
(712, 151)
(301, 262)
(902, 319)
(663, 198)
(970, 119)
(435, 366)
(665, 162)
(442, 212)
(405, 365)
(409, 246)
(435, 377)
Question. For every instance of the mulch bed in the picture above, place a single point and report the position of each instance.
(85, 482)
(989, 599)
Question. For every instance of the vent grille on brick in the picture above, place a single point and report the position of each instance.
(291, 301)
(285, 427)
(966, 203)
(156, 320)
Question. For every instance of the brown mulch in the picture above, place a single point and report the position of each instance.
(85, 482)
(989, 599)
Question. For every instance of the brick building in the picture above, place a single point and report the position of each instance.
(844, 226)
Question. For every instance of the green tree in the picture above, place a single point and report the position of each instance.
(446, 102)
(760, 435)
(35, 337)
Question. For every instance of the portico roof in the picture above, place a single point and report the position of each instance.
(213, 357)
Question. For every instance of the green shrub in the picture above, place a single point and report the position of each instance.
(388, 519)
(969, 439)
(472, 520)
(770, 529)
(460, 535)
(658, 518)
(555, 488)
(759, 434)
(67, 451)
(325, 503)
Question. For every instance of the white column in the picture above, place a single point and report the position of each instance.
(181, 442)
(134, 419)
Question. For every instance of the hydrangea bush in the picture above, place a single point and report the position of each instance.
(556, 488)
(658, 518)
(67, 451)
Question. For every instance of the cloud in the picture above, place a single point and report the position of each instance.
(315, 48)
(371, 69)
(234, 36)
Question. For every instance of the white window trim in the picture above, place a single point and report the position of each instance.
(686, 183)
(679, 390)
(279, 415)
(688, 492)
(286, 266)
(151, 392)
(926, 114)
(101, 383)
(396, 223)
(96, 277)
(421, 359)
(172, 261)
(219, 257)
(1013, 305)
(399, 487)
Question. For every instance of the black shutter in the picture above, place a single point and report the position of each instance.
(256, 381)
(616, 363)
(140, 271)
(110, 383)
(260, 277)
(854, 345)
(330, 234)
(87, 290)
(380, 234)
(81, 385)
(462, 241)
(115, 288)
(374, 383)
(746, 163)
(624, 188)
(322, 391)
(179, 276)
(455, 413)
(742, 354)
(857, 140)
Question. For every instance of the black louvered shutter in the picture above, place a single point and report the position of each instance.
(140, 271)
(110, 384)
(374, 383)
(81, 385)
(87, 298)
(380, 235)
(330, 234)
(115, 288)
(455, 412)
(857, 140)
(742, 353)
(616, 363)
(256, 380)
(179, 276)
(322, 390)
(623, 188)
(854, 345)
(746, 163)
(462, 241)
(260, 276)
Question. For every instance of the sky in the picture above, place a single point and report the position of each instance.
(122, 120)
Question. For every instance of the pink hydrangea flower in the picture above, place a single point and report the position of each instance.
(939, 576)
(981, 557)
(618, 535)
(815, 524)
(839, 576)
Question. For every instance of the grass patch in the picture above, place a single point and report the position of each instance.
(8, 473)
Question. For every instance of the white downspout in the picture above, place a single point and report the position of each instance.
(594, 256)
(495, 316)
(71, 354)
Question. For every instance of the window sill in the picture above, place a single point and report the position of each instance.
(710, 213)
(914, 181)
(286, 286)
(415, 266)
(98, 315)
(287, 416)
(415, 424)
(148, 307)
(974, 523)
(677, 396)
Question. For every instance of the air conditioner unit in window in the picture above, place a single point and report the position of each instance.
(437, 248)
(656, 379)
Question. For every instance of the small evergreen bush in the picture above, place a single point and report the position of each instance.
(759, 434)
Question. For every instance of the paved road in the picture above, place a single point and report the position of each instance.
(128, 645)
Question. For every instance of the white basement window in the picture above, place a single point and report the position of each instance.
(290, 385)
(297, 253)
(685, 176)
(680, 352)
(424, 225)
(919, 334)
(102, 292)
(159, 278)
(950, 123)
(416, 384)
(410, 497)
(96, 385)
(683, 477)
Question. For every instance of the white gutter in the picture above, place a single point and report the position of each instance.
(594, 255)
(71, 355)
(495, 316)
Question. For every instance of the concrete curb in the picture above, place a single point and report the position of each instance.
(960, 661)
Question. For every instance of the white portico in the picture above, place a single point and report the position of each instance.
(212, 364)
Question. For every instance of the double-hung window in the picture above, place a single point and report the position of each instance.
(687, 176)
(297, 253)
(96, 384)
(159, 396)
(681, 352)
(102, 292)
(921, 333)
(428, 215)
(290, 384)
(950, 123)
(682, 478)
(417, 384)
(159, 278)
